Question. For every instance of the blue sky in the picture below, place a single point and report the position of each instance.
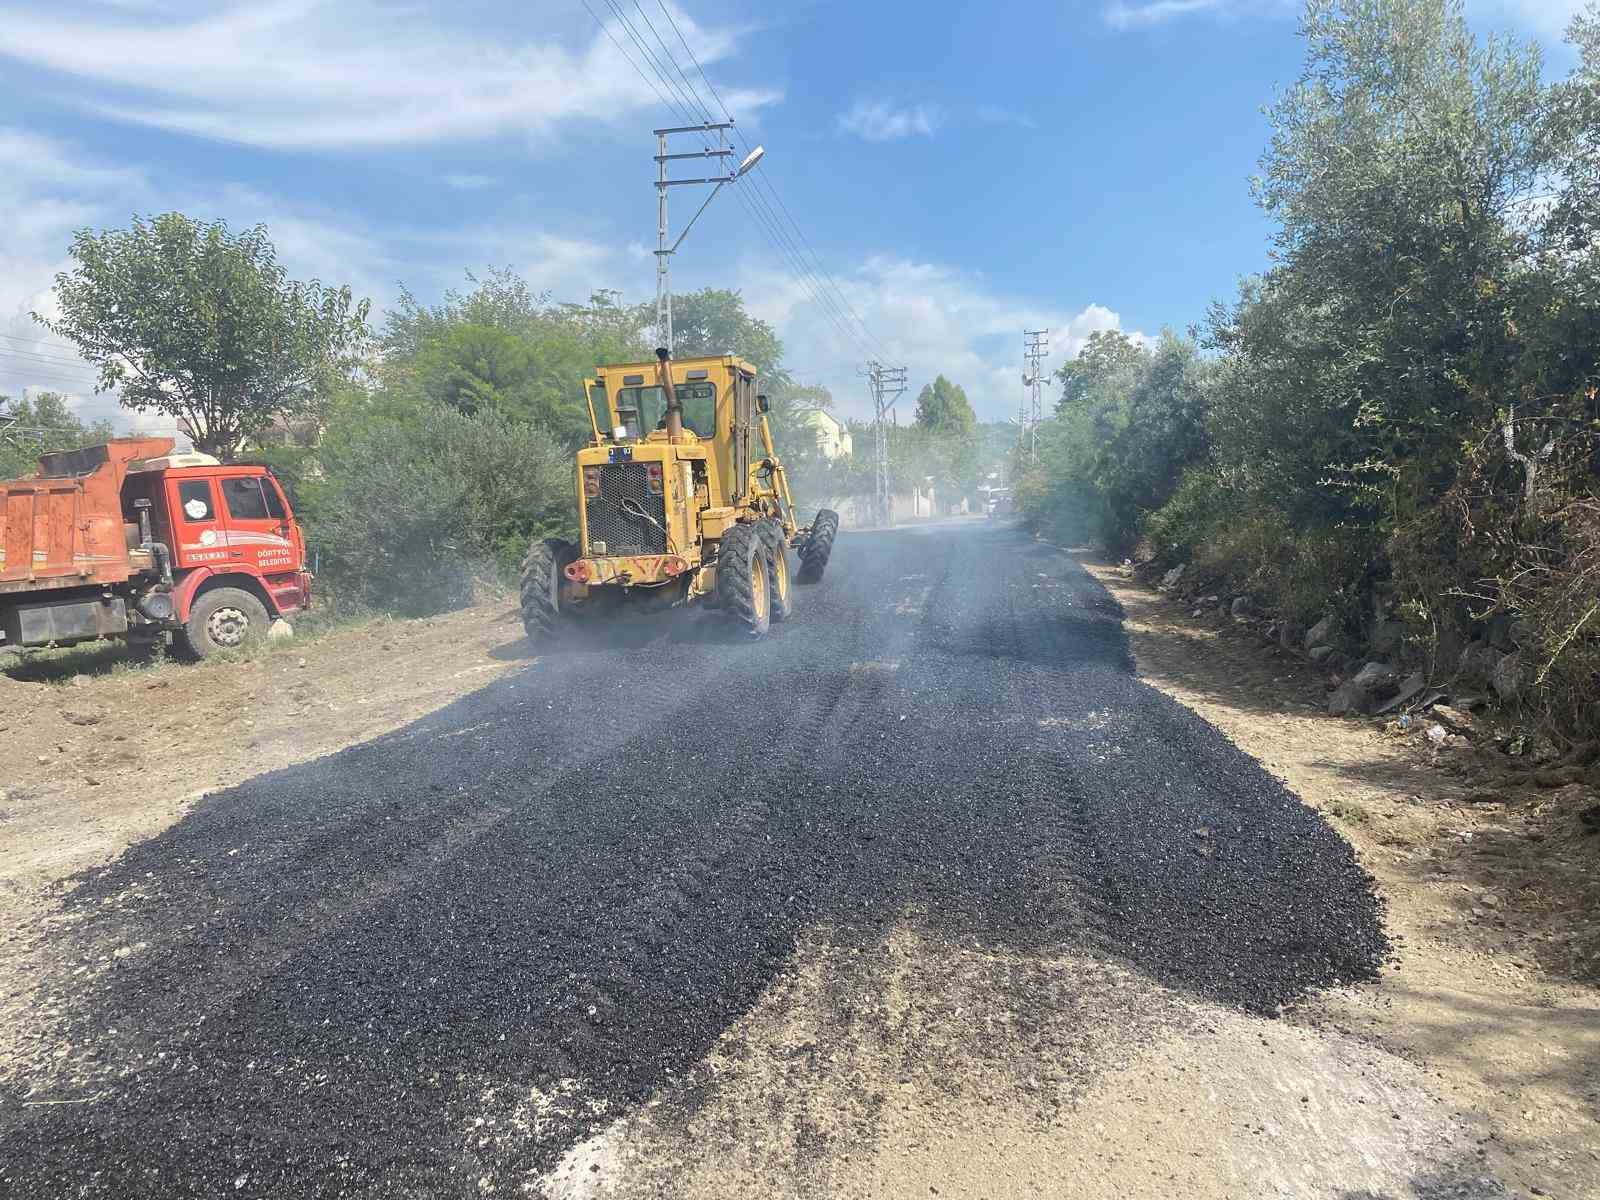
(957, 172)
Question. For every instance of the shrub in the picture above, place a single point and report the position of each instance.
(413, 505)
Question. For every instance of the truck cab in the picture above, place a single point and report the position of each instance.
(129, 539)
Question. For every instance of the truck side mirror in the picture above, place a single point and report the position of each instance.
(763, 405)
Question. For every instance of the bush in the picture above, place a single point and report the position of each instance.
(411, 506)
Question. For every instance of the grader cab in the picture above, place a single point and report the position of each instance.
(681, 500)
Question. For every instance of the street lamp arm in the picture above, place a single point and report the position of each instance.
(703, 205)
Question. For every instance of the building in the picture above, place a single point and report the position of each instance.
(833, 438)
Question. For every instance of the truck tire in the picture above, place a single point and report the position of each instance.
(540, 590)
(779, 576)
(220, 620)
(744, 587)
(818, 547)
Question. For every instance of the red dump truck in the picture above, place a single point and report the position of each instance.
(129, 539)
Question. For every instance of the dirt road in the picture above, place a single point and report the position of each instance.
(927, 894)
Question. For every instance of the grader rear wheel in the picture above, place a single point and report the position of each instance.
(743, 581)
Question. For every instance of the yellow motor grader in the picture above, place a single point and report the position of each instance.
(681, 500)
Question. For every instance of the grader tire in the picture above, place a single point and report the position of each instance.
(743, 578)
(540, 591)
(818, 548)
(780, 577)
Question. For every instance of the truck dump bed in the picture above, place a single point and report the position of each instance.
(64, 526)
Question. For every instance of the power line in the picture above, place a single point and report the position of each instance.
(688, 103)
(762, 181)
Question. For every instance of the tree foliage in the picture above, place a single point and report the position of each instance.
(943, 408)
(191, 321)
(45, 422)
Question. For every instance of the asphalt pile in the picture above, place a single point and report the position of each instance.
(444, 956)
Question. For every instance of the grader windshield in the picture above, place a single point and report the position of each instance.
(642, 409)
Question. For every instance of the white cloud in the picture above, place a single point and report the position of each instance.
(1547, 18)
(931, 318)
(879, 121)
(49, 189)
(1159, 12)
(332, 73)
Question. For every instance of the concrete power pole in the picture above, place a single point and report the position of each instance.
(665, 252)
(1035, 345)
(887, 384)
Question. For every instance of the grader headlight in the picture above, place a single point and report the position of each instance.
(591, 482)
(653, 476)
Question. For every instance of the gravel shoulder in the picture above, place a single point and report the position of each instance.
(1490, 905)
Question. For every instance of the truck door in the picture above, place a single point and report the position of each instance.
(259, 533)
(198, 536)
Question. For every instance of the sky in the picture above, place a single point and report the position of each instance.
(938, 176)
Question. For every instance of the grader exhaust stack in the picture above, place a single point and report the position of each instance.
(674, 406)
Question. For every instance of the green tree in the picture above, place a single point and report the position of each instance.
(412, 504)
(29, 427)
(204, 326)
(1105, 353)
(714, 321)
(942, 407)
(501, 348)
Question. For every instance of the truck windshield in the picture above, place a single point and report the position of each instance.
(642, 409)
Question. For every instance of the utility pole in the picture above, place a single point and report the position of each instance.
(887, 384)
(1035, 345)
(664, 252)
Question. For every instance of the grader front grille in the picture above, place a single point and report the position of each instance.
(613, 516)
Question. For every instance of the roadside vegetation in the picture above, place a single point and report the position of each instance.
(422, 451)
(1398, 424)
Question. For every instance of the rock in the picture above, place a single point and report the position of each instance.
(1320, 633)
(1479, 660)
(79, 681)
(1489, 900)
(1320, 653)
(1410, 688)
(280, 631)
(1359, 693)
(1170, 579)
(1240, 607)
(1510, 676)
(1454, 718)
(1437, 734)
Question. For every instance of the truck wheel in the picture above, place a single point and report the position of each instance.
(743, 580)
(819, 546)
(778, 575)
(541, 586)
(222, 619)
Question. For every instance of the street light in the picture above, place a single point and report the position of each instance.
(664, 252)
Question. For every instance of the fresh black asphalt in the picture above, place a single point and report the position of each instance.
(568, 884)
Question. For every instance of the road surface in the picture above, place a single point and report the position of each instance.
(434, 963)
